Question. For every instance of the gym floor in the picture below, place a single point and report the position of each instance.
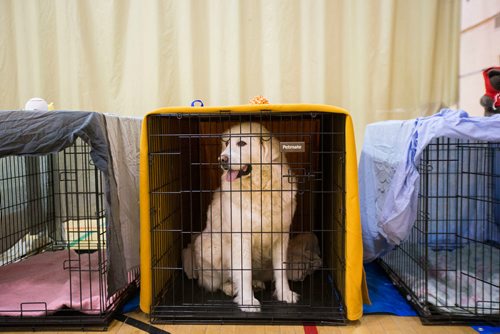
(369, 324)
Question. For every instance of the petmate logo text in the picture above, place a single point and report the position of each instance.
(298, 146)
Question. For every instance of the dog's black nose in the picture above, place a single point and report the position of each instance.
(224, 161)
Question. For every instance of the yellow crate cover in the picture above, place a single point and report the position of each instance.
(356, 292)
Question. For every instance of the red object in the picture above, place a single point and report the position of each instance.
(490, 91)
(310, 329)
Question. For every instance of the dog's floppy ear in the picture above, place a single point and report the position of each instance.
(270, 148)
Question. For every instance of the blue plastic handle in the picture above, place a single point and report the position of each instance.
(193, 104)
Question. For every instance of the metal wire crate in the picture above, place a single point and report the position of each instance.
(449, 268)
(53, 242)
(193, 172)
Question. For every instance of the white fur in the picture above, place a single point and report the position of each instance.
(248, 224)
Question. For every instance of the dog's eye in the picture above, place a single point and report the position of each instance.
(226, 142)
(241, 143)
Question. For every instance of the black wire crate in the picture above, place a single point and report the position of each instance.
(53, 242)
(247, 217)
(449, 267)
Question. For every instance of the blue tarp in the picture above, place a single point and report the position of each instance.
(384, 296)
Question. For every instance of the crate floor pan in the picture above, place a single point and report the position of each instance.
(68, 319)
(430, 314)
(187, 302)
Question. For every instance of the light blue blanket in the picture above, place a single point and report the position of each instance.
(388, 175)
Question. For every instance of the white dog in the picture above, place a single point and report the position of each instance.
(248, 220)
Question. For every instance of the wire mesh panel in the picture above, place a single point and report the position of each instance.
(53, 240)
(449, 267)
(26, 190)
(247, 216)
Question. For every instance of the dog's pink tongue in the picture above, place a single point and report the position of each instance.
(231, 175)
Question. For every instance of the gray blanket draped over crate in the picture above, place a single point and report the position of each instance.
(124, 135)
(33, 133)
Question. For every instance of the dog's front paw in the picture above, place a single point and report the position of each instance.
(228, 288)
(250, 305)
(289, 296)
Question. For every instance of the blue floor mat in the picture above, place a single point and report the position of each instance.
(384, 296)
(486, 329)
(132, 304)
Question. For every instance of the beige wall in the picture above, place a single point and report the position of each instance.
(479, 49)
